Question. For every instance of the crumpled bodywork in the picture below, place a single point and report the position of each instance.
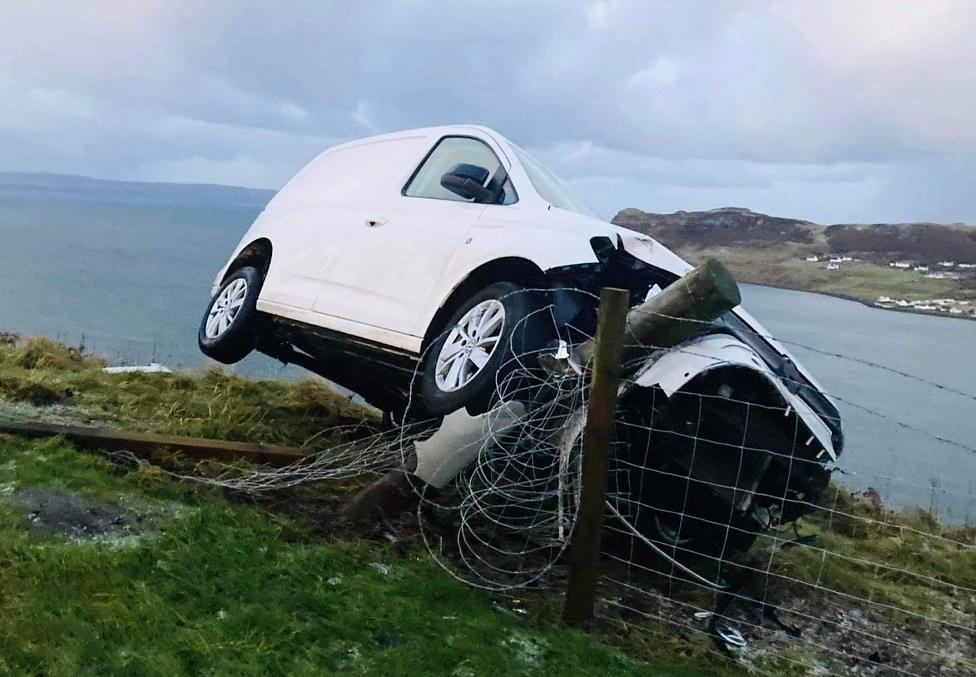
(672, 369)
(640, 264)
(724, 429)
(722, 439)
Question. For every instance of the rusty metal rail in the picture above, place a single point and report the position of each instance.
(148, 445)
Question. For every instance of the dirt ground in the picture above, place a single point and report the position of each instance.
(834, 637)
(69, 514)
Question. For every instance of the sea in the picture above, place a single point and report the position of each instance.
(125, 270)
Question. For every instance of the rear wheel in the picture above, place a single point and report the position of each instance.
(230, 328)
(494, 333)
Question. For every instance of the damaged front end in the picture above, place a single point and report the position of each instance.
(721, 437)
(717, 449)
(718, 438)
(625, 265)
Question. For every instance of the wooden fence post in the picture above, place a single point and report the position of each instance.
(588, 534)
(663, 321)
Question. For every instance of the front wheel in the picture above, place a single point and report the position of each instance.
(493, 333)
(229, 329)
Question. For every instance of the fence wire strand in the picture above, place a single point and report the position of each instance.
(703, 484)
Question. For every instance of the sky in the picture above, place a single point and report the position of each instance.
(833, 111)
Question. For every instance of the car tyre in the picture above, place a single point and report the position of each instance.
(230, 328)
(488, 356)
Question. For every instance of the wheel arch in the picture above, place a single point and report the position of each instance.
(257, 254)
(508, 269)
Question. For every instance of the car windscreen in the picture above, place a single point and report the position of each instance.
(552, 189)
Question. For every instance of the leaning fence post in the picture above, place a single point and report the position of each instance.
(675, 314)
(587, 535)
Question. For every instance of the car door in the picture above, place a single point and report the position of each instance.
(325, 206)
(387, 269)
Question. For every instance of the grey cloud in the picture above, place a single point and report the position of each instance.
(831, 111)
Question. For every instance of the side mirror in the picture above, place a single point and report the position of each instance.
(468, 181)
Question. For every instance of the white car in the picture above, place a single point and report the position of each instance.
(406, 253)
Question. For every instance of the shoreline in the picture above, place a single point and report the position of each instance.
(848, 297)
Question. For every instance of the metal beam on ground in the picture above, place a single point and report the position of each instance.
(148, 444)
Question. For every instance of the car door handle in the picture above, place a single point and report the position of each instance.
(373, 223)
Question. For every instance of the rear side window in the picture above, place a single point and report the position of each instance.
(450, 152)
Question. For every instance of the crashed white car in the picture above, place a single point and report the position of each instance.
(392, 265)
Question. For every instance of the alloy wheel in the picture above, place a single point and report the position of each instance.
(226, 308)
(470, 345)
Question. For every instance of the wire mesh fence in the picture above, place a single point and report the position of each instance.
(726, 520)
(730, 522)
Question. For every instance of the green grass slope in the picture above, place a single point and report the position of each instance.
(193, 581)
(784, 266)
(215, 403)
(223, 588)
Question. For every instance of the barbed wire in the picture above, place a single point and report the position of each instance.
(514, 513)
(366, 454)
(700, 481)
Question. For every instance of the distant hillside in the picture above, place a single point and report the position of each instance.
(855, 261)
(922, 242)
(728, 226)
(82, 189)
(925, 243)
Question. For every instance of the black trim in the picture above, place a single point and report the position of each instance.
(381, 375)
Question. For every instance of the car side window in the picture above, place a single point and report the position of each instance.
(473, 165)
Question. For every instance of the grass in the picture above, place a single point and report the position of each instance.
(225, 585)
(213, 404)
(904, 560)
(220, 586)
(225, 588)
(783, 266)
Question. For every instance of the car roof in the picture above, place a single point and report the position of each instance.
(441, 130)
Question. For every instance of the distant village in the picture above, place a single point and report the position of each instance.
(943, 270)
